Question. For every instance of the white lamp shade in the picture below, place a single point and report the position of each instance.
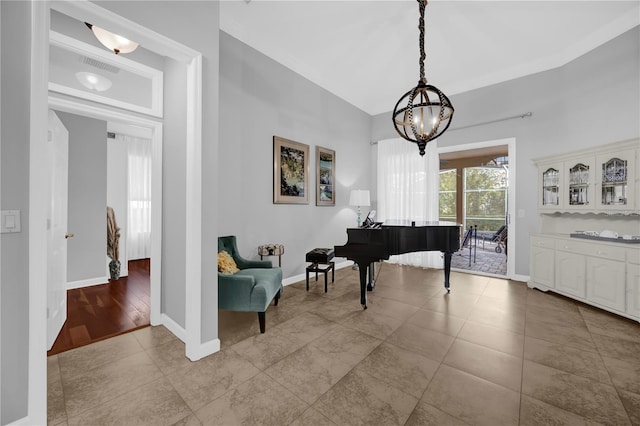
(114, 42)
(359, 197)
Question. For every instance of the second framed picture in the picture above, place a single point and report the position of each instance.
(325, 176)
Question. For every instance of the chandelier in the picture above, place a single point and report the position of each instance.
(424, 112)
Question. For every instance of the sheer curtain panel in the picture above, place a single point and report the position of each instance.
(408, 187)
(139, 214)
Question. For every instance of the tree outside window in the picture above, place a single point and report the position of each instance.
(485, 197)
(448, 195)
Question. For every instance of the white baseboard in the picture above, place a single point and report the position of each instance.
(23, 421)
(205, 349)
(93, 281)
(87, 283)
(174, 327)
(523, 278)
(301, 277)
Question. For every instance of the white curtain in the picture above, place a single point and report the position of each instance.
(408, 189)
(139, 211)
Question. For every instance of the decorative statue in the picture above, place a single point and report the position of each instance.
(113, 244)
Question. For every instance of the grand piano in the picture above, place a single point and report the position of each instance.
(377, 242)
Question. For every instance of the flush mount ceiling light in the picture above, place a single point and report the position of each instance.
(114, 42)
(93, 81)
(424, 112)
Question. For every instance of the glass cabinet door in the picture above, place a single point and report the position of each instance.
(580, 183)
(551, 187)
(616, 177)
(614, 182)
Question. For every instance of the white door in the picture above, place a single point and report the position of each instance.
(58, 175)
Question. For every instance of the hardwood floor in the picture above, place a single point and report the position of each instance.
(101, 311)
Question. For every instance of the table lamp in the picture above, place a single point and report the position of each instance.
(358, 198)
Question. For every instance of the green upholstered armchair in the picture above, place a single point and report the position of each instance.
(252, 288)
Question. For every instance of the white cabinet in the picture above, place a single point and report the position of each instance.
(542, 261)
(606, 284)
(600, 273)
(633, 283)
(570, 273)
(597, 180)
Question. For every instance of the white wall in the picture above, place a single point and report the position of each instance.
(260, 98)
(590, 101)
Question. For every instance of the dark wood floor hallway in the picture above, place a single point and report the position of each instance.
(101, 311)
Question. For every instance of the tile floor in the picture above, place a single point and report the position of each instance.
(492, 352)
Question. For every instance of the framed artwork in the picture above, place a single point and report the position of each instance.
(290, 172)
(325, 176)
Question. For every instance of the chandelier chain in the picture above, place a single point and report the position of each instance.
(422, 4)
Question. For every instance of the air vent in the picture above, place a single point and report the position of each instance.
(100, 65)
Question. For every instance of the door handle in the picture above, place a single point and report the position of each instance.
(69, 235)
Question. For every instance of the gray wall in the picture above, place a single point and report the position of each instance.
(590, 101)
(87, 215)
(16, 37)
(174, 194)
(260, 98)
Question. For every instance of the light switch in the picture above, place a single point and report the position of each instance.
(10, 221)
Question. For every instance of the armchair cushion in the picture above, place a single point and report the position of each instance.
(226, 264)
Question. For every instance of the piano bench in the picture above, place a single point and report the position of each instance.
(320, 259)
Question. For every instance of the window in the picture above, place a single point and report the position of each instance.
(485, 197)
(447, 211)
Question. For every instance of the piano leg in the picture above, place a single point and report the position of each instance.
(372, 276)
(363, 267)
(447, 270)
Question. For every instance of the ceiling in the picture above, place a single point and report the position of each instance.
(366, 52)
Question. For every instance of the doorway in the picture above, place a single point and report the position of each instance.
(477, 189)
(99, 306)
(192, 60)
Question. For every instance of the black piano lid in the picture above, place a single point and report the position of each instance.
(417, 223)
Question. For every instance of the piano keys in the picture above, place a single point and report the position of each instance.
(368, 245)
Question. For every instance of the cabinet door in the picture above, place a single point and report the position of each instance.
(633, 290)
(615, 179)
(580, 180)
(551, 186)
(606, 283)
(542, 265)
(570, 273)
